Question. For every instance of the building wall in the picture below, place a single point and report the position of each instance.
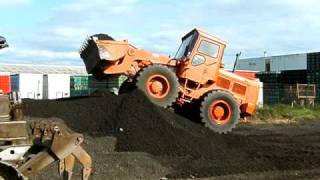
(5, 82)
(251, 64)
(277, 63)
(289, 62)
(56, 86)
(29, 85)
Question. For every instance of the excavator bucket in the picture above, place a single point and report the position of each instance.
(24, 153)
(91, 53)
(3, 42)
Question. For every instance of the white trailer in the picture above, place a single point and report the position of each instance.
(29, 85)
(56, 86)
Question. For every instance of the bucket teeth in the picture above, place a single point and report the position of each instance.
(84, 45)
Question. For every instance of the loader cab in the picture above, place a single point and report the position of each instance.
(200, 57)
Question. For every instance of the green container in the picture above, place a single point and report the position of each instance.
(79, 85)
(84, 85)
(116, 81)
(94, 84)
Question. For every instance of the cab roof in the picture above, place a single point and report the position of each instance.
(204, 34)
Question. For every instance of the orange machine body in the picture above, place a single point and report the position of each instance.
(198, 66)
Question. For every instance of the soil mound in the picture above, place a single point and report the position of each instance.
(186, 146)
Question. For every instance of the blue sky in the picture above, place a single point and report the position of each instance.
(51, 32)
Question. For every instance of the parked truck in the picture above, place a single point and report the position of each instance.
(195, 75)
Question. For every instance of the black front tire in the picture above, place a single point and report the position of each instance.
(209, 120)
(171, 77)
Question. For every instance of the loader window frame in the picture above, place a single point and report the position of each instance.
(187, 45)
(209, 48)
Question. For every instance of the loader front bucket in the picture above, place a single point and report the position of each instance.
(90, 54)
(3, 42)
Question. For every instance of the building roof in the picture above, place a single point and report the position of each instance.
(41, 69)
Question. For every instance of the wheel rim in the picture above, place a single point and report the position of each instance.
(220, 112)
(158, 86)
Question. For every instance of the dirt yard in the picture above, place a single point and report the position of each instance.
(130, 138)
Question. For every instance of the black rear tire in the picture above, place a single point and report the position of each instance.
(217, 100)
(171, 84)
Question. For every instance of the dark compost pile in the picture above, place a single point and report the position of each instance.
(186, 147)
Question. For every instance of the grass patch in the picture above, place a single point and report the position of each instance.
(287, 112)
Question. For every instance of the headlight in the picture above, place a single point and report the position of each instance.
(197, 60)
(104, 53)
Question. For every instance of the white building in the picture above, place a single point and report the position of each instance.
(274, 63)
(41, 81)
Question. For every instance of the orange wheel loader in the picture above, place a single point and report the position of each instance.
(195, 74)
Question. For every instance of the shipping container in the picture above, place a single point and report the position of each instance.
(5, 82)
(29, 85)
(79, 85)
(56, 86)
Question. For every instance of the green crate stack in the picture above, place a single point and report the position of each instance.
(313, 77)
(79, 85)
(269, 77)
(84, 85)
(116, 81)
(272, 87)
(273, 93)
(294, 76)
(313, 61)
(95, 84)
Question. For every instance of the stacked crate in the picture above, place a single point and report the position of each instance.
(313, 74)
(85, 85)
(116, 81)
(294, 77)
(95, 84)
(272, 87)
(79, 85)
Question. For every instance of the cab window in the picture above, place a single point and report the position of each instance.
(209, 49)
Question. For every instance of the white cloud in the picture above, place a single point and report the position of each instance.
(69, 32)
(21, 53)
(7, 3)
(112, 6)
(249, 26)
